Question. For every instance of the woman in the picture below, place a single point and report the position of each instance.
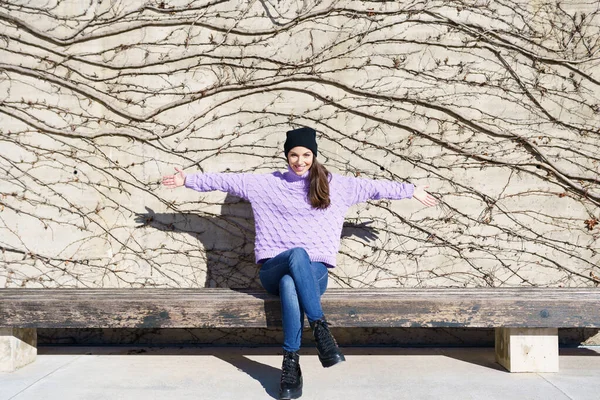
(298, 217)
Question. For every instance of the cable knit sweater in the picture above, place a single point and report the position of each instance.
(283, 216)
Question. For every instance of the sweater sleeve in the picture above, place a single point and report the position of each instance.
(235, 184)
(362, 189)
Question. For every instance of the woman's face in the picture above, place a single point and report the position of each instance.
(300, 159)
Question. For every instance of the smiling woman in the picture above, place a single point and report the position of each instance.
(300, 159)
(301, 151)
(299, 216)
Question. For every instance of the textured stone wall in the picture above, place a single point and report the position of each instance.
(494, 104)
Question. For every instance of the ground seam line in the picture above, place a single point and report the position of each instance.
(556, 387)
(44, 377)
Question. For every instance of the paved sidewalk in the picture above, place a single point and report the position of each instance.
(87, 373)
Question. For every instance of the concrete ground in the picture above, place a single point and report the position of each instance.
(87, 373)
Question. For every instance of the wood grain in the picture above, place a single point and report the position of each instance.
(230, 308)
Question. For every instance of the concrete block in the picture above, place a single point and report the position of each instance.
(527, 349)
(18, 347)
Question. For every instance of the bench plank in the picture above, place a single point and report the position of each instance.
(230, 308)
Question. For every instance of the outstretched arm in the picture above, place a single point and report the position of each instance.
(233, 183)
(424, 197)
(174, 181)
(361, 189)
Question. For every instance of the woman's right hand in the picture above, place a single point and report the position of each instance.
(174, 181)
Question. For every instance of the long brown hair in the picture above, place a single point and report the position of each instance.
(318, 191)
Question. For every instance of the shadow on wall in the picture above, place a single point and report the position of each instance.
(228, 240)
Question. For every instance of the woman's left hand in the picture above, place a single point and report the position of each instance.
(424, 197)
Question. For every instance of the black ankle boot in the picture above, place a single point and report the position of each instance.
(329, 352)
(291, 376)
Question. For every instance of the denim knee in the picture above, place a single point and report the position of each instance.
(298, 253)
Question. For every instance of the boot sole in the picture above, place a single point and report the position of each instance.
(290, 394)
(330, 362)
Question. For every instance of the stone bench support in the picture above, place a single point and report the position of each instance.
(527, 349)
(18, 347)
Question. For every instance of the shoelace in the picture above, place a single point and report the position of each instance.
(288, 370)
(324, 337)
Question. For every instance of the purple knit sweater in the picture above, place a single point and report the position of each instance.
(283, 216)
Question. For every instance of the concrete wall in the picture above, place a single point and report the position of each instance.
(495, 105)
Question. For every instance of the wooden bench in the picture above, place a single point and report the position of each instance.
(526, 319)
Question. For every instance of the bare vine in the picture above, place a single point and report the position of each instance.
(494, 104)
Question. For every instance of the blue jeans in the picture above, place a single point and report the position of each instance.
(299, 283)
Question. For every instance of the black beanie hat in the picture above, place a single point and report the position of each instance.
(305, 137)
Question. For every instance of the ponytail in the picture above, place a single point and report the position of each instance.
(318, 192)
